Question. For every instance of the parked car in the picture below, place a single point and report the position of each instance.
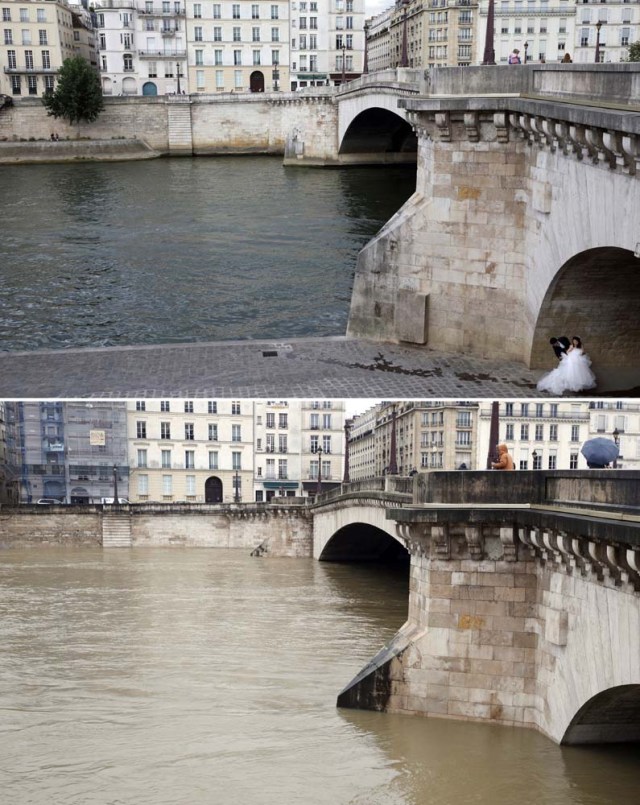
(49, 502)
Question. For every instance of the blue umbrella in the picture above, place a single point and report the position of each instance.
(599, 451)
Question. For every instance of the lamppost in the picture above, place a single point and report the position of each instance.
(276, 78)
(494, 433)
(115, 485)
(526, 48)
(178, 75)
(598, 26)
(236, 484)
(347, 426)
(365, 66)
(344, 65)
(534, 456)
(319, 484)
(616, 439)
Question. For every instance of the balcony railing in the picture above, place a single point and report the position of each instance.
(158, 11)
(31, 70)
(162, 54)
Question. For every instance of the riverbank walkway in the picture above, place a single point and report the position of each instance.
(337, 367)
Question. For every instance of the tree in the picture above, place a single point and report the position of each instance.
(78, 94)
(634, 51)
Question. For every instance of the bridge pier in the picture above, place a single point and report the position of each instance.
(509, 237)
(521, 614)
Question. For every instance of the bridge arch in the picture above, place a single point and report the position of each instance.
(360, 529)
(611, 716)
(362, 542)
(595, 295)
(380, 131)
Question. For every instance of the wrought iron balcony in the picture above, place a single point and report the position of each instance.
(31, 70)
(162, 54)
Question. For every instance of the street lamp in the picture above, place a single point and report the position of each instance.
(526, 47)
(178, 74)
(319, 484)
(534, 456)
(489, 49)
(236, 483)
(616, 439)
(344, 65)
(598, 26)
(276, 78)
(115, 485)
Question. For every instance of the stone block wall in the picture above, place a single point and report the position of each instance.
(19, 529)
(458, 242)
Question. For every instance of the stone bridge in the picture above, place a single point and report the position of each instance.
(524, 600)
(525, 222)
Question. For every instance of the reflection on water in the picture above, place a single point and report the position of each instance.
(184, 249)
(202, 676)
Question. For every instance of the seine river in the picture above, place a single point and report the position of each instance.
(187, 250)
(180, 677)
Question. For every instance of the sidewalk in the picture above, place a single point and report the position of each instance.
(307, 367)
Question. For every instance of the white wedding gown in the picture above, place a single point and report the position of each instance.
(572, 374)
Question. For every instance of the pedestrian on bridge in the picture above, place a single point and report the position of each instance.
(504, 462)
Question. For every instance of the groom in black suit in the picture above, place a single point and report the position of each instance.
(560, 345)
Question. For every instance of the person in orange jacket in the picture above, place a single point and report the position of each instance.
(504, 462)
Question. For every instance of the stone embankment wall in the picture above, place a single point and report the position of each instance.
(275, 530)
(38, 526)
(75, 151)
(215, 124)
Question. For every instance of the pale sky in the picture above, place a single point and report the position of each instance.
(354, 406)
(373, 7)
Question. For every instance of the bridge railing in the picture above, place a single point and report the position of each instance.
(395, 484)
(398, 77)
(614, 490)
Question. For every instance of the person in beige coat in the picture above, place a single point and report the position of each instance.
(504, 462)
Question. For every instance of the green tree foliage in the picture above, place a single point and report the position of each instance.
(634, 51)
(78, 94)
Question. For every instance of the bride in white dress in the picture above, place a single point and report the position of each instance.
(572, 373)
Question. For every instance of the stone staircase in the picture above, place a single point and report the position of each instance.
(179, 124)
(116, 529)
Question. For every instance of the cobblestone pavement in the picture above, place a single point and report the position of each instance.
(307, 367)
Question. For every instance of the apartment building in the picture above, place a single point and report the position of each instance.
(9, 475)
(605, 30)
(194, 451)
(413, 435)
(430, 33)
(620, 421)
(69, 451)
(142, 46)
(322, 444)
(36, 38)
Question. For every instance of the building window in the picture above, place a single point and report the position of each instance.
(197, 10)
(256, 58)
(573, 461)
(165, 459)
(270, 420)
(212, 407)
(236, 33)
(165, 430)
(189, 459)
(42, 38)
(11, 58)
(275, 34)
(218, 62)
(237, 79)
(282, 469)
(190, 485)
(463, 419)
(236, 433)
(165, 405)
(553, 409)
(553, 433)
(220, 78)
(167, 485)
(235, 408)
(143, 485)
(575, 433)
(236, 461)
(217, 35)
(274, 12)
(255, 34)
(141, 405)
(188, 432)
(141, 430)
(326, 444)
(217, 11)
(6, 15)
(213, 459)
(197, 33)
(282, 443)
(326, 421)
(199, 63)
(28, 61)
(539, 433)
(188, 404)
(255, 11)
(314, 421)
(142, 458)
(8, 36)
(270, 442)
(283, 421)
(552, 461)
(213, 433)
(235, 11)
(508, 409)
(524, 432)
